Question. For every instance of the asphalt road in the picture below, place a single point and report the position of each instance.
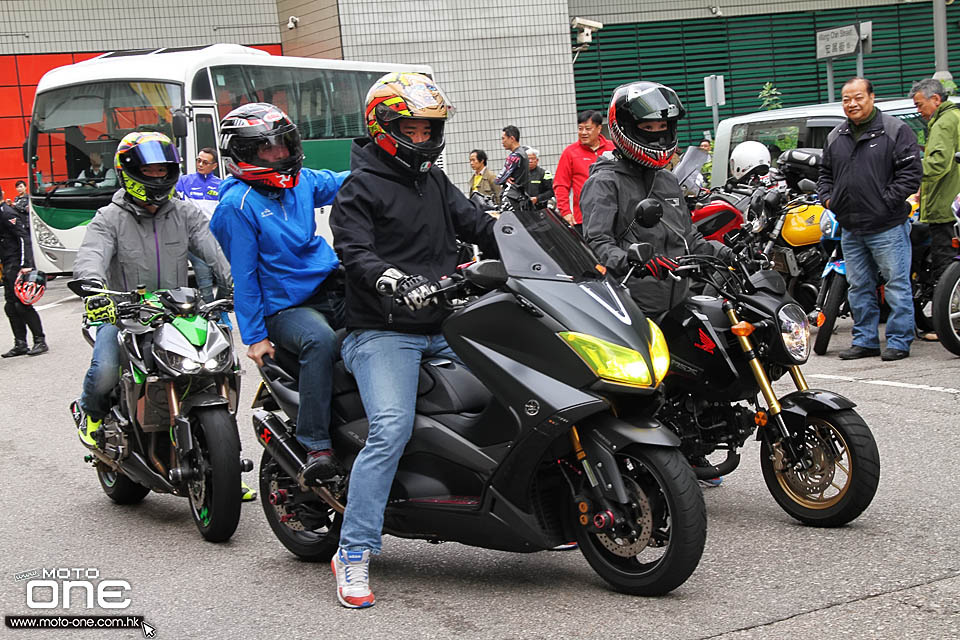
(893, 573)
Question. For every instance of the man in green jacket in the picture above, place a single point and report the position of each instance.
(941, 173)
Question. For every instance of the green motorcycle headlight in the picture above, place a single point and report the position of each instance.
(609, 361)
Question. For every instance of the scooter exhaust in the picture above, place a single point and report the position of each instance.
(284, 448)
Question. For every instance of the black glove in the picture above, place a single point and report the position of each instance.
(660, 267)
(416, 292)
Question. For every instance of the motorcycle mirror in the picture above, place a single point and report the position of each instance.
(486, 274)
(956, 156)
(756, 203)
(647, 213)
(809, 186)
(83, 288)
(639, 252)
(772, 200)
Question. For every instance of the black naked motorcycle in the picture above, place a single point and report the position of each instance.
(172, 427)
(547, 437)
(818, 457)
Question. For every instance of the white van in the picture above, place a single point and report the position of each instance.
(783, 129)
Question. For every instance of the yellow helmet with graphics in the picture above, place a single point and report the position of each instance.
(396, 97)
(138, 149)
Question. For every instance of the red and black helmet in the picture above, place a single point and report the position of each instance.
(29, 287)
(247, 133)
(638, 102)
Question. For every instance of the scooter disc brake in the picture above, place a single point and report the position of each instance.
(642, 519)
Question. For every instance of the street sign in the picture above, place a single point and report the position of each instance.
(713, 89)
(842, 41)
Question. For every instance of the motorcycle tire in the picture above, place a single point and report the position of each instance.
(836, 294)
(314, 541)
(215, 493)
(670, 515)
(852, 483)
(946, 308)
(119, 487)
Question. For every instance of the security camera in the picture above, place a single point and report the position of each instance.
(584, 24)
(292, 22)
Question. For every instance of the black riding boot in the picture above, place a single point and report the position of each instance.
(19, 349)
(39, 346)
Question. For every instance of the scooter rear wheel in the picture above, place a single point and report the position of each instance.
(303, 523)
(669, 522)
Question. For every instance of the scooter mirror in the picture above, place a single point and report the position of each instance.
(486, 274)
(639, 252)
(648, 212)
(809, 186)
(956, 156)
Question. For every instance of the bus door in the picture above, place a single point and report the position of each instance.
(205, 121)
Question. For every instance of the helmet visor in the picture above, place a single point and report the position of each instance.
(274, 149)
(652, 103)
(155, 151)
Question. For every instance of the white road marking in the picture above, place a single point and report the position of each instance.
(885, 383)
(53, 304)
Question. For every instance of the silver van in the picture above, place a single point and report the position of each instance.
(783, 129)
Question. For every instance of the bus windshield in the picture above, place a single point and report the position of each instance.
(75, 132)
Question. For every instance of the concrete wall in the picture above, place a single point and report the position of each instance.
(626, 11)
(55, 26)
(500, 61)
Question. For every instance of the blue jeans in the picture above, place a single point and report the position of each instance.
(103, 374)
(306, 331)
(386, 366)
(888, 254)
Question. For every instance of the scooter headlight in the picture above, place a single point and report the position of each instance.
(795, 332)
(619, 364)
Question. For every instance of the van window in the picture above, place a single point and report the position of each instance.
(913, 119)
(779, 135)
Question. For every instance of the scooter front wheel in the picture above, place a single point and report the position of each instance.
(304, 524)
(836, 295)
(841, 474)
(660, 545)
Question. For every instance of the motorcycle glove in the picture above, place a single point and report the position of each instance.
(660, 267)
(389, 280)
(416, 292)
(100, 310)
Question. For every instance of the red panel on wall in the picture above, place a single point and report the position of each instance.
(12, 166)
(80, 57)
(272, 49)
(26, 98)
(8, 70)
(9, 102)
(32, 67)
(11, 132)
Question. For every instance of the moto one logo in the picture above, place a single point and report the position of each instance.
(59, 588)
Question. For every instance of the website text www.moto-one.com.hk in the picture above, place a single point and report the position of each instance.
(73, 622)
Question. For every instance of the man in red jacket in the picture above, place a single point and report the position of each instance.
(574, 166)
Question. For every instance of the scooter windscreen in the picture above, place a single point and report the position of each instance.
(538, 244)
(688, 170)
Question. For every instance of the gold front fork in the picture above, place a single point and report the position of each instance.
(773, 404)
(798, 378)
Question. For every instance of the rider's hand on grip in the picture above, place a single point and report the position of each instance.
(416, 292)
(660, 267)
(389, 280)
(100, 310)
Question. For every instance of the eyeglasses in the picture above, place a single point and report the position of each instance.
(202, 161)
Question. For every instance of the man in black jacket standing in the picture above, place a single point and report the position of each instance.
(16, 253)
(395, 222)
(871, 164)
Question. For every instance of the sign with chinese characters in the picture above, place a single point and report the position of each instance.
(842, 41)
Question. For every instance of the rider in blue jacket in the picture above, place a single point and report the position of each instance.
(286, 289)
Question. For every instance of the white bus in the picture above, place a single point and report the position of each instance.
(86, 108)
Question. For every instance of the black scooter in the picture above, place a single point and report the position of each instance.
(546, 438)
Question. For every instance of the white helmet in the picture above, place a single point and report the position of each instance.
(749, 159)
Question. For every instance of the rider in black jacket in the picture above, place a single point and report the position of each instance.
(16, 253)
(395, 223)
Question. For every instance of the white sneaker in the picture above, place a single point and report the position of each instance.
(352, 569)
